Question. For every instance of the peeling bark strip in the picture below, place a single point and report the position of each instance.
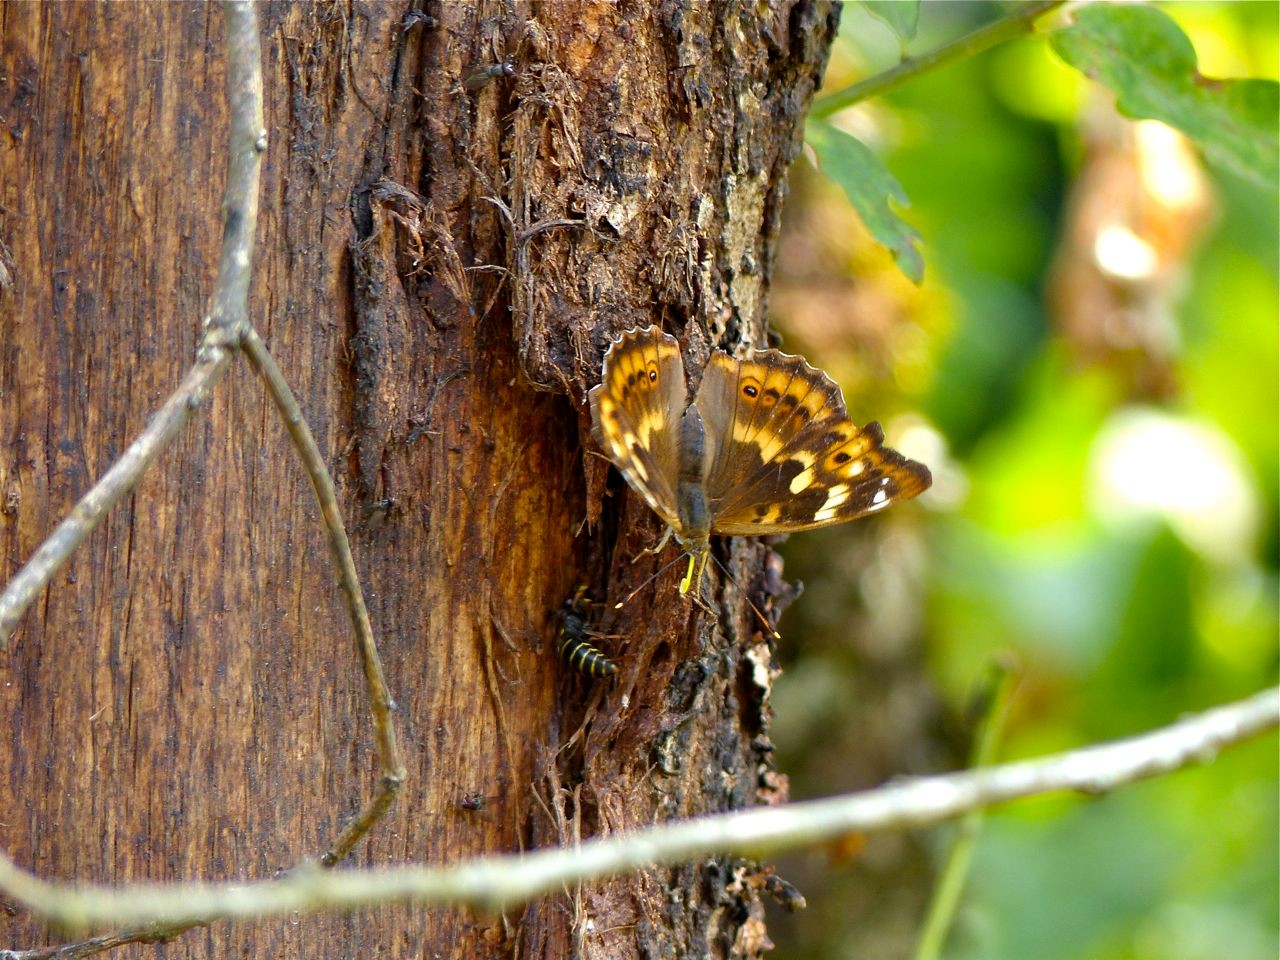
(462, 204)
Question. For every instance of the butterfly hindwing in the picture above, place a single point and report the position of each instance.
(787, 456)
(636, 411)
(854, 477)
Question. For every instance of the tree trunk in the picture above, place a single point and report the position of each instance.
(460, 210)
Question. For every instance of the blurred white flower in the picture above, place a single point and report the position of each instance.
(1147, 462)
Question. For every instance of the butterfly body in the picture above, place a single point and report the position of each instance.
(693, 519)
(765, 446)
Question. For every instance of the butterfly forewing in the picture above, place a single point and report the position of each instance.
(766, 415)
(754, 409)
(636, 411)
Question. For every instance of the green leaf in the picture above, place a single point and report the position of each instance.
(900, 15)
(869, 186)
(1146, 59)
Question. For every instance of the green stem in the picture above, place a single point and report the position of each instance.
(946, 896)
(1020, 21)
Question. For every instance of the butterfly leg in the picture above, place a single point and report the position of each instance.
(700, 559)
(691, 585)
(656, 548)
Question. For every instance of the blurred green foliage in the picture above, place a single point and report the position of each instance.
(1121, 541)
(869, 187)
(1146, 58)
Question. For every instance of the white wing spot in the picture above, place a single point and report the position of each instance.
(801, 481)
(835, 497)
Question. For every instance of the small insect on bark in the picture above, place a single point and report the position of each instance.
(575, 648)
(478, 76)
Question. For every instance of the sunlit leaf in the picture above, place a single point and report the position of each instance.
(901, 16)
(1146, 59)
(869, 187)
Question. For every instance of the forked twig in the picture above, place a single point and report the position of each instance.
(227, 328)
(223, 327)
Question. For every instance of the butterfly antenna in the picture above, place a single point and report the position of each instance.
(657, 573)
(756, 610)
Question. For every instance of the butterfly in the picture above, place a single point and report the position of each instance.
(765, 447)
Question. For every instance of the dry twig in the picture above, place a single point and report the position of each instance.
(495, 883)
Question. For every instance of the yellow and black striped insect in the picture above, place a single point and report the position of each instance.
(575, 647)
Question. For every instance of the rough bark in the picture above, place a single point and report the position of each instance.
(460, 210)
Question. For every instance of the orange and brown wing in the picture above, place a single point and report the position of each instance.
(636, 411)
(787, 457)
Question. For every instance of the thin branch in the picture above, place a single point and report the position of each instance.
(1021, 20)
(497, 882)
(380, 702)
(228, 316)
(95, 945)
(246, 142)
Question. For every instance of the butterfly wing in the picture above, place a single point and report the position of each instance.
(636, 411)
(786, 455)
